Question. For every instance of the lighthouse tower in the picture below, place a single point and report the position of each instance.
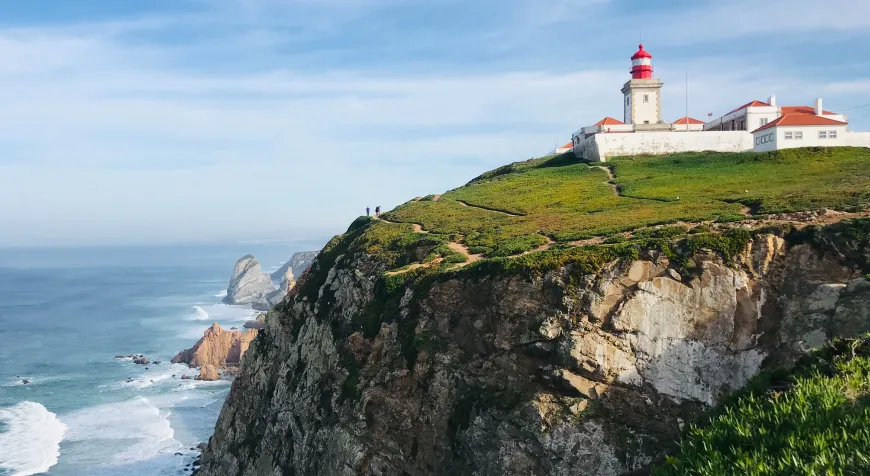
(643, 99)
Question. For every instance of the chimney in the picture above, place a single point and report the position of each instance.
(772, 100)
(819, 107)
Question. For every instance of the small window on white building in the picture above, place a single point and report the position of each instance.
(758, 141)
(823, 134)
(798, 135)
(832, 134)
(788, 136)
(763, 121)
(646, 98)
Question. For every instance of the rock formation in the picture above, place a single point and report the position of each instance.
(248, 284)
(208, 372)
(297, 265)
(586, 368)
(217, 347)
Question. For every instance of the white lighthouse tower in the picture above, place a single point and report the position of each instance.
(643, 99)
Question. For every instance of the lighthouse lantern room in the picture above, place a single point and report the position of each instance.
(642, 93)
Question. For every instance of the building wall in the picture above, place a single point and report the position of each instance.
(602, 146)
(810, 137)
(857, 139)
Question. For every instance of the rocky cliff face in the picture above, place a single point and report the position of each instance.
(248, 284)
(217, 348)
(578, 370)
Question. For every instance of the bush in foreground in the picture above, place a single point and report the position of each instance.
(815, 421)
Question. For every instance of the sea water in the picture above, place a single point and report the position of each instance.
(64, 316)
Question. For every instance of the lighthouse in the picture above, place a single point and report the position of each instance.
(642, 93)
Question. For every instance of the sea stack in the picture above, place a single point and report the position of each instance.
(217, 347)
(248, 284)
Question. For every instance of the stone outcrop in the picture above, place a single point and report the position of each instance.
(298, 264)
(248, 284)
(217, 348)
(565, 372)
(208, 372)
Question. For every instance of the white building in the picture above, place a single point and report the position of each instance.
(758, 126)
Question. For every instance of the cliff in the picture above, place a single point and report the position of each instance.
(459, 337)
(248, 283)
(217, 348)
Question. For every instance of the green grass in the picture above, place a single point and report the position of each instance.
(815, 421)
(566, 200)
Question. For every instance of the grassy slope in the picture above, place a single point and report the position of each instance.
(568, 201)
(815, 421)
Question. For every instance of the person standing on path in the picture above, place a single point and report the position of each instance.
(368, 211)
(378, 211)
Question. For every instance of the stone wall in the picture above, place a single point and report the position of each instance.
(601, 146)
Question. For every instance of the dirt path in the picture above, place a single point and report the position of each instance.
(463, 250)
(611, 179)
(493, 210)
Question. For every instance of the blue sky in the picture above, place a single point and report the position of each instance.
(214, 120)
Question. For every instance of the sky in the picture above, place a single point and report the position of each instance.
(164, 121)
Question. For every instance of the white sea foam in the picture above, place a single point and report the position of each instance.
(122, 433)
(222, 293)
(200, 314)
(30, 443)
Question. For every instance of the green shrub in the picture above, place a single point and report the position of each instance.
(814, 421)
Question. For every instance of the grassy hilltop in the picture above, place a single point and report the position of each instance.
(563, 200)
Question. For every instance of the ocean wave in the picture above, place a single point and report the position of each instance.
(221, 294)
(200, 314)
(122, 433)
(31, 442)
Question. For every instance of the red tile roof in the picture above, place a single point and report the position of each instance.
(800, 120)
(751, 104)
(609, 121)
(567, 146)
(802, 110)
(692, 120)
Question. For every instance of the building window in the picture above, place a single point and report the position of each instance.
(788, 136)
(646, 98)
(646, 122)
(798, 135)
(763, 121)
(771, 137)
(832, 134)
(758, 141)
(742, 125)
(823, 134)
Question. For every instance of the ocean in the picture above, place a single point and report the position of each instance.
(64, 316)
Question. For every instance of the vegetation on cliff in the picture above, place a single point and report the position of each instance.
(812, 420)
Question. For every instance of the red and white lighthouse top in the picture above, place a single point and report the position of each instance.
(641, 64)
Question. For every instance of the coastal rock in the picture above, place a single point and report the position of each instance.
(141, 360)
(248, 284)
(208, 372)
(186, 377)
(217, 347)
(296, 266)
